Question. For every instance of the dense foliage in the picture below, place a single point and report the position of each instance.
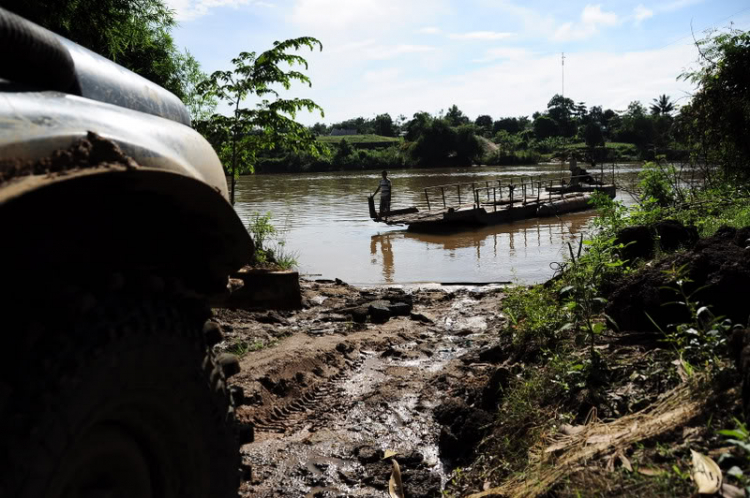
(565, 128)
(717, 121)
(133, 33)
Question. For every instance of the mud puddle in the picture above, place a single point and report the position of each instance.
(327, 408)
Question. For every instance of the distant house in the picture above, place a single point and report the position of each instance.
(340, 132)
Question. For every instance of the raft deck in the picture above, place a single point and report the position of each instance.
(494, 204)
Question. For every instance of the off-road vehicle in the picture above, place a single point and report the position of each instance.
(115, 231)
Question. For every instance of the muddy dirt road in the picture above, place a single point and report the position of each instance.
(330, 390)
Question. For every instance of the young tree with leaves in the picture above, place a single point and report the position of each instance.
(270, 124)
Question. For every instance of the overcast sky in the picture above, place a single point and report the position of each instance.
(496, 57)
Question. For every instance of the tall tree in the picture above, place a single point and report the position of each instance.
(269, 124)
(485, 123)
(544, 127)
(383, 125)
(455, 116)
(662, 106)
(562, 110)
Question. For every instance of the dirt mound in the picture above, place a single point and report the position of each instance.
(641, 241)
(463, 427)
(720, 263)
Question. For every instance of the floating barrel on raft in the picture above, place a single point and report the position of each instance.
(553, 208)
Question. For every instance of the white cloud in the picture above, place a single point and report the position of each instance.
(382, 76)
(429, 30)
(504, 53)
(371, 50)
(593, 14)
(592, 18)
(187, 10)
(389, 52)
(677, 5)
(480, 35)
(641, 13)
(357, 16)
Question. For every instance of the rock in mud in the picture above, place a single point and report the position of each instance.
(359, 315)
(400, 309)
(367, 454)
(272, 317)
(379, 311)
(422, 317)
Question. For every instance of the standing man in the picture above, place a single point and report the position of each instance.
(385, 195)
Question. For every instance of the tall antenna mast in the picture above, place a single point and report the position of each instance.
(563, 74)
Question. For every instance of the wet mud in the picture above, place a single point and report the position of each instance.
(89, 152)
(329, 395)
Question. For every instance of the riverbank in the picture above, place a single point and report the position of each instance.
(478, 391)
(557, 388)
(618, 411)
(372, 153)
(624, 373)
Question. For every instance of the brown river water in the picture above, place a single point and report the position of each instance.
(326, 225)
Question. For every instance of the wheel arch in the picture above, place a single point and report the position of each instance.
(119, 218)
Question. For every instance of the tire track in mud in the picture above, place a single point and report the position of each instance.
(283, 419)
(377, 392)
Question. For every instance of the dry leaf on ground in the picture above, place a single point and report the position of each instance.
(729, 491)
(395, 486)
(706, 474)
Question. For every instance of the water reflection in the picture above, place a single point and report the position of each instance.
(529, 241)
(386, 254)
(328, 227)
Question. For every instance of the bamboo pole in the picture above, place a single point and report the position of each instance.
(442, 189)
(426, 196)
(539, 191)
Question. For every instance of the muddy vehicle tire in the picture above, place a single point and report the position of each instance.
(124, 399)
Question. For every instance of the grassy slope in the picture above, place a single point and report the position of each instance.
(359, 139)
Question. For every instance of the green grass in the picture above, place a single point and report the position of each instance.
(241, 348)
(355, 140)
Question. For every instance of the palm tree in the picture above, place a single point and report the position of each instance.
(662, 106)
